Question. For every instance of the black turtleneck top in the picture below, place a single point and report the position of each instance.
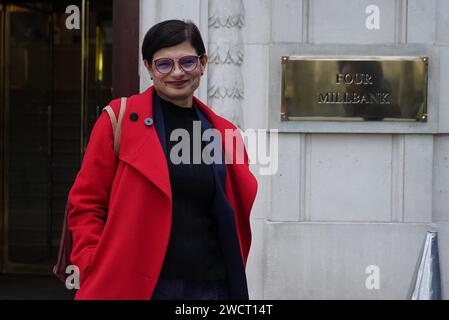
(193, 252)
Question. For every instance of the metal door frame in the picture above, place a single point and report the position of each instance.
(2, 130)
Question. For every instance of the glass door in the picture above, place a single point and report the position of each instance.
(53, 82)
(27, 135)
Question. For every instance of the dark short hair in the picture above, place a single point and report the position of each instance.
(171, 33)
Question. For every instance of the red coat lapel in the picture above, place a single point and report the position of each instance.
(240, 185)
(242, 178)
(140, 146)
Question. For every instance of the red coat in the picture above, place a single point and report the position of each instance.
(122, 259)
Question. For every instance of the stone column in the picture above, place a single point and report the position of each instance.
(225, 82)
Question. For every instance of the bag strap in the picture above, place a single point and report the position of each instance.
(116, 124)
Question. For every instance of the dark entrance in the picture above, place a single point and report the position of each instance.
(54, 80)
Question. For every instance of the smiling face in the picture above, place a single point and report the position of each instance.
(177, 86)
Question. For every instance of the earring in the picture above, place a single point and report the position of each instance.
(202, 73)
(151, 78)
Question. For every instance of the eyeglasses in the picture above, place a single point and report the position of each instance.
(186, 63)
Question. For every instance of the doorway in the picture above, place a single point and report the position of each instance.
(54, 79)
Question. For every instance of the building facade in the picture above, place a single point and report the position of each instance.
(349, 201)
(346, 213)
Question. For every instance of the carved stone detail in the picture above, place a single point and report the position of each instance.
(225, 81)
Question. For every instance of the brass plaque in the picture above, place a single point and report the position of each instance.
(354, 89)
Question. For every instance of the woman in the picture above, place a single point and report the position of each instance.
(144, 225)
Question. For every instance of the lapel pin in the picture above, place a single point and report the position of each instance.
(148, 122)
(134, 116)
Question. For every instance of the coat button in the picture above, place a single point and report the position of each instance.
(134, 116)
(148, 121)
